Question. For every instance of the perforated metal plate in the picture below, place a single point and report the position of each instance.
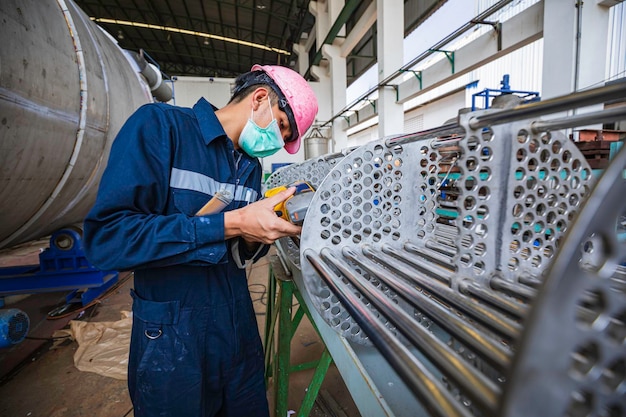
(581, 348)
(487, 207)
(312, 170)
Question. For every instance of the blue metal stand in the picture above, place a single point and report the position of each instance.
(63, 266)
(488, 93)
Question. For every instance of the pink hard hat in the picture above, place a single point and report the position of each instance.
(299, 96)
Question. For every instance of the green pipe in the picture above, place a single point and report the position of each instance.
(284, 354)
(271, 315)
(278, 364)
(315, 385)
(304, 366)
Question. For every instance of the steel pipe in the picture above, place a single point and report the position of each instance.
(438, 400)
(553, 105)
(479, 389)
(507, 306)
(529, 281)
(443, 249)
(487, 348)
(488, 317)
(602, 116)
(436, 271)
(432, 255)
(450, 129)
(523, 292)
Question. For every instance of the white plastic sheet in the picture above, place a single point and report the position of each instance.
(102, 346)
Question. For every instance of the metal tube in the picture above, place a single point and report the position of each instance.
(517, 290)
(509, 306)
(603, 116)
(450, 232)
(486, 347)
(334, 155)
(447, 228)
(445, 250)
(413, 253)
(488, 317)
(434, 270)
(446, 142)
(431, 393)
(529, 281)
(448, 205)
(431, 255)
(444, 244)
(478, 388)
(445, 130)
(553, 105)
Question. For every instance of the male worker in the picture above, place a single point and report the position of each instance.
(195, 346)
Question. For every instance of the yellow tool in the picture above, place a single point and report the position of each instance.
(294, 208)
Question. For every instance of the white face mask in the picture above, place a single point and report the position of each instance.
(260, 142)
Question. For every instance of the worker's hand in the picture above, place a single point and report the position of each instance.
(258, 221)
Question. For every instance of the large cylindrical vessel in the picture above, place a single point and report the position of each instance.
(66, 88)
(315, 146)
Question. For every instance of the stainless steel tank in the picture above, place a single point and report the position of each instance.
(66, 88)
(315, 146)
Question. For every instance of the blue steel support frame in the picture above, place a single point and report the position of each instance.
(489, 93)
(62, 266)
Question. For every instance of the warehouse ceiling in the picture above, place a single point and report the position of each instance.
(219, 38)
(224, 38)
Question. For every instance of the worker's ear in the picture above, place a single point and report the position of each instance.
(258, 97)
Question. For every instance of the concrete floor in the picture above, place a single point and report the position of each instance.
(38, 377)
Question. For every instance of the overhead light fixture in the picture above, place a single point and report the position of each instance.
(206, 42)
(189, 32)
(120, 35)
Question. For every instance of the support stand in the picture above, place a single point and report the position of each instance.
(281, 290)
(62, 266)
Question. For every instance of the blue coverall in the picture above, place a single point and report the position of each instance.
(195, 346)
